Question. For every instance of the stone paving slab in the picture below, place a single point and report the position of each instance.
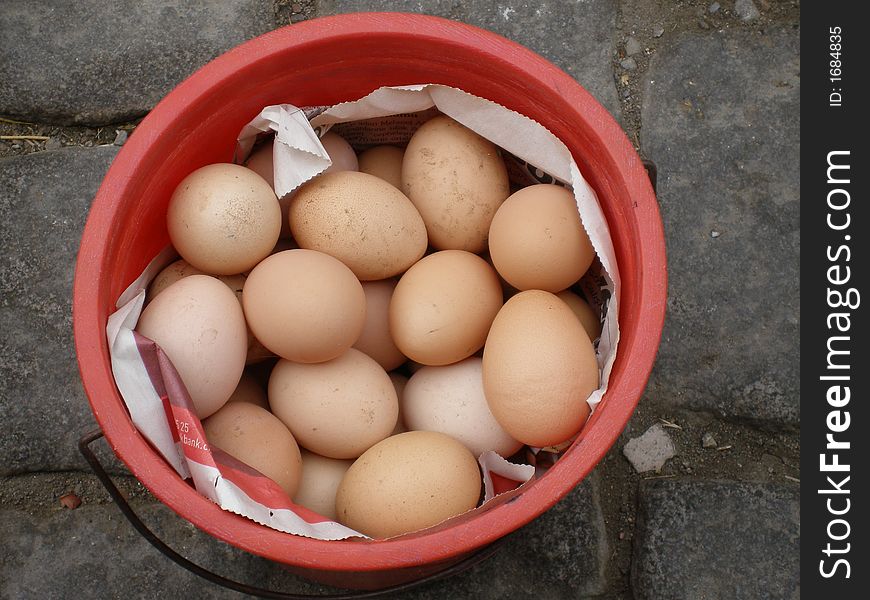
(44, 201)
(95, 62)
(575, 36)
(721, 120)
(92, 552)
(561, 554)
(717, 540)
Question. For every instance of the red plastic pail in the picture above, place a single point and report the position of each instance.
(326, 61)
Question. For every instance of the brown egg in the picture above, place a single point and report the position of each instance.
(256, 437)
(361, 220)
(340, 152)
(588, 317)
(249, 390)
(304, 305)
(261, 162)
(181, 269)
(457, 180)
(507, 289)
(408, 482)
(537, 241)
(443, 306)
(450, 399)
(338, 408)
(539, 367)
(169, 275)
(384, 162)
(375, 339)
(200, 326)
(223, 219)
(321, 477)
(257, 352)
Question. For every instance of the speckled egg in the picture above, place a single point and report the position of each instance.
(408, 482)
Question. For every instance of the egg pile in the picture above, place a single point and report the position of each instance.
(295, 322)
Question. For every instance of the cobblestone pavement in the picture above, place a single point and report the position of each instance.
(708, 90)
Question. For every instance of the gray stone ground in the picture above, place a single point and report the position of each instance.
(708, 90)
(686, 532)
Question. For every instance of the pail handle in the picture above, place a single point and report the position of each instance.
(652, 171)
(101, 473)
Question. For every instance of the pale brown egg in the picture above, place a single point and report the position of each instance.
(375, 339)
(537, 241)
(450, 399)
(223, 219)
(443, 306)
(340, 153)
(361, 220)
(457, 180)
(321, 477)
(304, 305)
(539, 367)
(249, 390)
(200, 326)
(588, 317)
(261, 162)
(256, 437)
(257, 352)
(181, 269)
(169, 275)
(507, 289)
(338, 408)
(384, 162)
(408, 482)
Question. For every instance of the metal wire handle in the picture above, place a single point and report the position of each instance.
(652, 171)
(101, 473)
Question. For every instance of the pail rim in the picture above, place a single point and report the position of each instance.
(509, 60)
